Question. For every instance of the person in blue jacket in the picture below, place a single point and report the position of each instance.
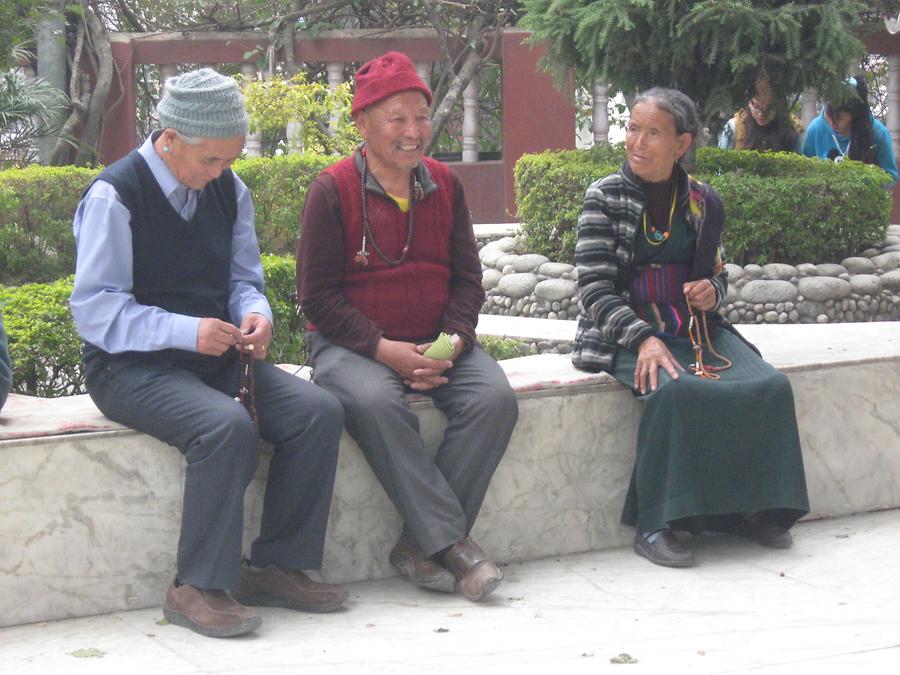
(850, 130)
(5, 366)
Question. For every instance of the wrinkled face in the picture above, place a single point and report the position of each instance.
(841, 122)
(197, 165)
(652, 143)
(762, 113)
(396, 130)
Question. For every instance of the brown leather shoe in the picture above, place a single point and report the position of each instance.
(212, 613)
(477, 575)
(420, 569)
(273, 586)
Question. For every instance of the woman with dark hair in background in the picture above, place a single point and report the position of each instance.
(850, 130)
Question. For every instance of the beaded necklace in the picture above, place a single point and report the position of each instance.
(698, 368)
(655, 237)
(247, 388)
(415, 192)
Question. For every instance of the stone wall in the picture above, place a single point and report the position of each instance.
(861, 288)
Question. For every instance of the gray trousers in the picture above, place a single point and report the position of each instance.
(188, 402)
(438, 499)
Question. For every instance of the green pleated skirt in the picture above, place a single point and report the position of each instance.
(709, 450)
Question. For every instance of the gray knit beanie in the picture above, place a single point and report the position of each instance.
(203, 104)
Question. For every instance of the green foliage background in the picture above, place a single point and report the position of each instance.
(37, 205)
(712, 50)
(780, 207)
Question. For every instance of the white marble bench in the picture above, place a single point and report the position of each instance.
(89, 511)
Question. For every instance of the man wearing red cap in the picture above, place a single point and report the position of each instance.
(387, 261)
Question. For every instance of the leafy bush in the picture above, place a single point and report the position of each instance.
(46, 351)
(550, 187)
(780, 206)
(289, 343)
(43, 345)
(503, 348)
(36, 208)
(37, 205)
(274, 102)
(278, 186)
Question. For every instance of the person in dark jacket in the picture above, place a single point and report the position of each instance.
(718, 446)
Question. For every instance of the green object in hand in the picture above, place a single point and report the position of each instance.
(441, 348)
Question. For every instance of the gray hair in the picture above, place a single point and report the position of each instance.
(682, 109)
(189, 140)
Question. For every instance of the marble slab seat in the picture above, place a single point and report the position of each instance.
(89, 510)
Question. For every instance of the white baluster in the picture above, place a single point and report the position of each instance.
(601, 112)
(809, 108)
(334, 73)
(253, 145)
(470, 121)
(423, 68)
(893, 100)
(166, 70)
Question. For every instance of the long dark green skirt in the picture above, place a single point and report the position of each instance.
(709, 449)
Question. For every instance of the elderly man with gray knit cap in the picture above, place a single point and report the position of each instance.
(169, 301)
(389, 277)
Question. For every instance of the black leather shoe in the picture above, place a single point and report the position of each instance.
(764, 532)
(665, 550)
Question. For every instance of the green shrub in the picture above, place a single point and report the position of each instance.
(550, 188)
(504, 348)
(779, 206)
(289, 343)
(278, 186)
(43, 345)
(36, 208)
(46, 351)
(37, 205)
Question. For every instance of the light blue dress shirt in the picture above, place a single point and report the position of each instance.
(105, 310)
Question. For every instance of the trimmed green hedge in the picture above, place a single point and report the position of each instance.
(37, 205)
(780, 206)
(46, 351)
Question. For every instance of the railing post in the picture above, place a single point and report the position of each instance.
(253, 146)
(600, 117)
(470, 121)
(166, 70)
(893, 100)
(424, 70)
(334, 73)
(809, 108)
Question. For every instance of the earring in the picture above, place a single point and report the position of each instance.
(166, 148)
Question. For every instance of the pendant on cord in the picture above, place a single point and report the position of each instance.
(362, 257)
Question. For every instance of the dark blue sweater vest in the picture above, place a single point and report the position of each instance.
(182, 266)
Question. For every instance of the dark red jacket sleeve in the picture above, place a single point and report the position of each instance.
(466, 291)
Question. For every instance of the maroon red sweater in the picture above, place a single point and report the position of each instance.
(438, 286)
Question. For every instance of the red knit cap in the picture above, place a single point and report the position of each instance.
(385, 76)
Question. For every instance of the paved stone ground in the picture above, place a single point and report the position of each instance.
(828, 605)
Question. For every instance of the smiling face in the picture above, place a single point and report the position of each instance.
(652, 143)
(395, 131)
(197, 165)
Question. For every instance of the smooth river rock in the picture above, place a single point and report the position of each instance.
(556, 289)
(820, 289)
(517, 285)
(858, 265)
(762, 291)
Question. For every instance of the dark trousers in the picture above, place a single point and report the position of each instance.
(438, 499)
(187, 400)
